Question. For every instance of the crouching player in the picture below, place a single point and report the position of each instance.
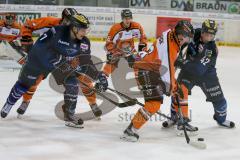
(199, 69)
(60, 45)
(156, 74)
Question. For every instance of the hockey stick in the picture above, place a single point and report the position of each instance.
(195, 143)
(135, 101)
(107, 98)
(76, 69)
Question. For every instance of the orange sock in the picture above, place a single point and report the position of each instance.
(29, 94)
(87, 92)
(144, 113)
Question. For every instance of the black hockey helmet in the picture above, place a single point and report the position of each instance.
(209, 26)
(79, 21)
(10, 18)
(126, 13)
(68, 12)
(185, 28)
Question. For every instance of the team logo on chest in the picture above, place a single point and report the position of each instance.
(208, 53)
(125, 35)
(135, 34)
(84, 46)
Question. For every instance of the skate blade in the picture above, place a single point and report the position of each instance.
(225, 127)
(128, 138)
(180, 133)
(73, 125)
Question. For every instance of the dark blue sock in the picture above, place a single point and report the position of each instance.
(16, 93)
(220, 109)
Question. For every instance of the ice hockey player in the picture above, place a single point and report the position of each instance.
(10, 28)
(199, 69)
(61, 45)
(10, 31)
(27, 43)
(120, 40)
(156, 74)
(46, 22)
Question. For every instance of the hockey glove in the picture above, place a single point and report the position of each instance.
(27, 43)
(102, 83)
(178, 91)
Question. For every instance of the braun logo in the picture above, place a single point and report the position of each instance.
(62, 42)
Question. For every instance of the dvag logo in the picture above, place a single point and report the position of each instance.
(181, 4)
(140, 3)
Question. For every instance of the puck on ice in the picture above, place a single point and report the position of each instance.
(200, 139)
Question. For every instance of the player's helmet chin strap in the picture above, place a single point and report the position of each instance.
(74, 33)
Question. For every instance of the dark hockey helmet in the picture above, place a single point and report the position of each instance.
(10, 18)
(126, 13)
(68, 12)
(79, 21)
(185, 28)
(209, 26)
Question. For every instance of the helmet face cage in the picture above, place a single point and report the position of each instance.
(10, 18)
(79, 21)
(126, 13)
(209, 26)
(184, 28)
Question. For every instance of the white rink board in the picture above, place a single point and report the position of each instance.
(40, 135)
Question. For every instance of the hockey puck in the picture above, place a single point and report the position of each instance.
(165, 124)
(200, 139)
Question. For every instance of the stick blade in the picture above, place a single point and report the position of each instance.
(127, 104)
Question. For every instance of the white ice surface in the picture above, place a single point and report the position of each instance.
(41, 136)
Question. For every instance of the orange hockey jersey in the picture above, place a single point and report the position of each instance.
(119, 39)
(40, 23)
(9, 34)
(161, 57)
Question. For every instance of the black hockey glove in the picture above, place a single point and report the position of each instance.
(113, 58)
(102, 83)
(26, 43)
(131, 60)
(179, 62)
(192, 50)
(134, 56)
(142, 47)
